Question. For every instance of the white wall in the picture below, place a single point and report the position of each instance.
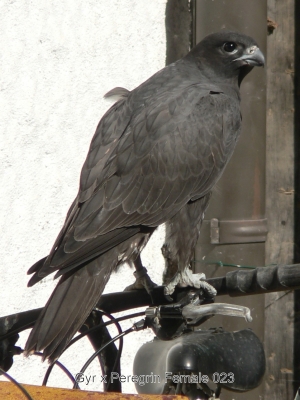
(57, 60)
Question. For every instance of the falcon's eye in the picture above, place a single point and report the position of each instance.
(230, 47)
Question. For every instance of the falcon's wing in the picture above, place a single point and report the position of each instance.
(147, 159)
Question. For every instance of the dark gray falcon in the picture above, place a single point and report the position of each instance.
(154, 159)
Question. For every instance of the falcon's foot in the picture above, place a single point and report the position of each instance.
(143, 281)
(187, 278)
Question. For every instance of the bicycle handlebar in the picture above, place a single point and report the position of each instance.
(260, 280)
(234, 283)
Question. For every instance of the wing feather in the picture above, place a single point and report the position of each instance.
(152, 152)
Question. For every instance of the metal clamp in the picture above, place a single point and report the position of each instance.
(237, 231)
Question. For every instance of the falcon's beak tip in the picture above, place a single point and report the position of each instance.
(253, 57)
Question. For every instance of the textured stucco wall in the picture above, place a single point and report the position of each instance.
(57, 60)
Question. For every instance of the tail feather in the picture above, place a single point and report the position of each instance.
(68, 307)
(37, 266)
(71, 325)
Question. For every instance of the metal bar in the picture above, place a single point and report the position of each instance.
(235, 283)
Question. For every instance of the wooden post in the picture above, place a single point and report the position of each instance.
(279, 307)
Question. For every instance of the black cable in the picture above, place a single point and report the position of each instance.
(23, 390)
(95, 328)
(60, 365)
(102, 324)
(119, 319)
(133, 315)
(30, 324)
(47, 374)
(91, 359)
(121, 342)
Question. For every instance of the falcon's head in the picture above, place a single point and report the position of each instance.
(227, 55)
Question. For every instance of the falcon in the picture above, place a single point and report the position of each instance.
(155, 157)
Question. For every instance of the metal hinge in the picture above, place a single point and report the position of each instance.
(237, 231)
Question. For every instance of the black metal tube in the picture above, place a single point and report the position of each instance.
(235, 283)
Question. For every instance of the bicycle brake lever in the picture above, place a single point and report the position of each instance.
(193, 313)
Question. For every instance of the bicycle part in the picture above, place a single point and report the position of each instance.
(235, 283)
(193, 314)
(232, 360)
(8, 350)
(17, 384)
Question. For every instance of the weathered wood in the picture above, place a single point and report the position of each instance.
(297, 197)
(240, 191)
(178, 29)
(280, 196)
(9, 391)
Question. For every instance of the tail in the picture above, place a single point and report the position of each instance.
(68, 307)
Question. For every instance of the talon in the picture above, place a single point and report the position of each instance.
(169, 298)
(143, 281)
(187, 278)
(208, 288)
(170, 287)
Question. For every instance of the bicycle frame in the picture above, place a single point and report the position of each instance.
(235, 283)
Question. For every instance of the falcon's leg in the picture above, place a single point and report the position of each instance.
(143, 281)
(182, 232)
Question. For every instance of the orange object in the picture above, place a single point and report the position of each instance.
(9, 391)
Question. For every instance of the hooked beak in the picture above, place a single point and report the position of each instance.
(253, 57)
